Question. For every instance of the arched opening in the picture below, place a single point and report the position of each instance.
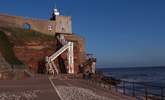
(26, 26)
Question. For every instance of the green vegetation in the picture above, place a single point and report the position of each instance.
(7, 51)
(17, 36)
(21, 35)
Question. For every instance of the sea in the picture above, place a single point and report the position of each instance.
(151, 75)
(139, 79)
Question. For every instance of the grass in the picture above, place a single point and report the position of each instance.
(20, 36)
(6, 49)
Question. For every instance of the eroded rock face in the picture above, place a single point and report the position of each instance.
(32, 50)
(3, 63)
(33, 53)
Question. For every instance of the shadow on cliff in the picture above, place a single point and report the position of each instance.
(41, 66)
(6, 48)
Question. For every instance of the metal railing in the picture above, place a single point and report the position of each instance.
(139, 90)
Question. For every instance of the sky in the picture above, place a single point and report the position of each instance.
(120, 33)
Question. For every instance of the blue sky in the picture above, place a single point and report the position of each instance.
(121, 33)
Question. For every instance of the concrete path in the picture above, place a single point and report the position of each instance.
(97, 91)
(27, 89)
(44, 88)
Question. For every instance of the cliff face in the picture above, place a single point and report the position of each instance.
(7, 56)
(31, 48)
(27, 47)
(33, 53)
(3, 64)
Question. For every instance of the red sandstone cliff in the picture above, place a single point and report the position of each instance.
(31, 48)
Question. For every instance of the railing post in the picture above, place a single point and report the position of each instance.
(162, 93)
(146, 93)
(109, 86)
(116, 88)
(99, 84)
(124, 87)
(103, 85)
(133, 89)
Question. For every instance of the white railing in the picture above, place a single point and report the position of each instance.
(52, 68)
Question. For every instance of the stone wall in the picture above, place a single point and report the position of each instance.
(62, 24)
